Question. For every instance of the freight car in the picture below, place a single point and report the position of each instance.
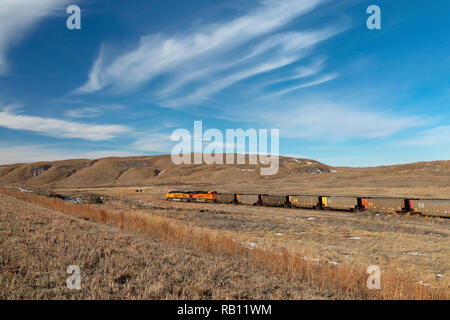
(250, 199)
(386, 205)
(431, 207)
(273, 200)
(299, 201)
(342, 203)
(226, 198)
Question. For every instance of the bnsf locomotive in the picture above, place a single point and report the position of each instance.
(428, 207)
(198, 196)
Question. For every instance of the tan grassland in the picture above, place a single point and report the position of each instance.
(138, 245)
(37, 247)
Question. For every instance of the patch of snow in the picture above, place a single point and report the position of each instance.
(311, 218)
(308, 162)
(435, 234)
(415, 253)
(421, 283)
(315, 260)
(288, 218)
(334, 263)
(424, 284)
(278, 234)
(438, 275)
(333, 171)
(24, 190)
(252, 245)
(247, 169)
(355, 238)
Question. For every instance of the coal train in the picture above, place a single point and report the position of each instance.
(426, 207)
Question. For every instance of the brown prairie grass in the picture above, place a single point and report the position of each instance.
(120, 225)
(346, 280)
(102, 214)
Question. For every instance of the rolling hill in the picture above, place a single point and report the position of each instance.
(431, 179)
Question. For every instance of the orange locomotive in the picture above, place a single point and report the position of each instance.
(178, 195)
(197, 196)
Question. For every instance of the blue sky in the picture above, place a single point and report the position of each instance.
(137, 70)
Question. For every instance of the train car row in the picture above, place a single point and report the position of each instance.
(429, 207)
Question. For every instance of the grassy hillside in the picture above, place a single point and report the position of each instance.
(422, 179)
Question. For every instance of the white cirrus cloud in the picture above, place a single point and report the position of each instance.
(300, 72)
(161, 142)
(320, 80)
(60, 128)
(93, 112)
(154, 142)
(85, 112)
(198, 52)
(438, 136)
(291, 45)
(17, 17)
(327, 121)
(323, 120)
(207, 90)
(34, 153)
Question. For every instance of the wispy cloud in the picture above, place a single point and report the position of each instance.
(60, 128)
(332, 122)
(287, 45)
(323, 120)
(216, 86)
(160, 142)
(19, 16)
(33, 153)
(87, 112)
(320, 80)
(154, 142)
(92, 112)
(438, 136)
(300, 72)
(210, 57)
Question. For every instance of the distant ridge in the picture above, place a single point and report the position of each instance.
(145, 170)
(428, 179)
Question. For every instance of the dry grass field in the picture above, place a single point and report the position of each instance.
(38, 244)
(414, 244)
(138, 245)
(50, 240)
